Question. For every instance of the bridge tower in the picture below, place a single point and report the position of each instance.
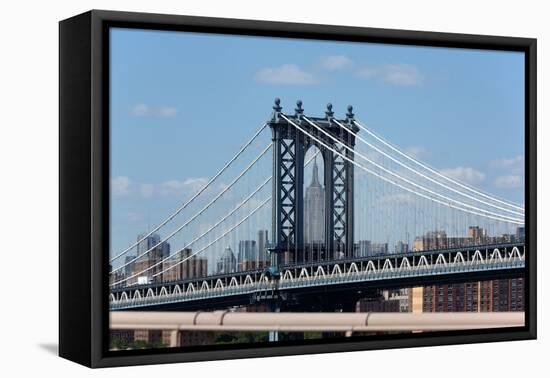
(289, 149)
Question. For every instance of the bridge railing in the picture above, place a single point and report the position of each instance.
(348, 323)
(299, 277)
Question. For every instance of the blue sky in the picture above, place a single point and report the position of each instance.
(459, 110)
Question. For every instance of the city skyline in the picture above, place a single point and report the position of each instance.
(351, 177)
(144, 187)
(247, 254)
(252, 256)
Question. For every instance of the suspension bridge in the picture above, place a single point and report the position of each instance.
(377, 217)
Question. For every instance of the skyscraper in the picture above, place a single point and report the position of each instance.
(520, 234)
(227, 262)
(247, 255)
(401, 247)
(262, 243)
(314, 209)
(157, 252)
(364, 248)
(477, 234)
(477, 296)
(184, 264)
(129, 262)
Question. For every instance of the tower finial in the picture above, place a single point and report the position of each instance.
(349, 114)
(329, 113)
(276, 110)
(277, 107)
(350, 120)
(299, 110)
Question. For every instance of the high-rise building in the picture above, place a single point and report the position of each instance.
(227, 263)
(416, 296)
(400, 295)
(129, 268)
(451, 298)
(314, 209)
(484, 296)
(431, 240)
(502, 295)
(364, 248)
(246, 258)
(477, 234)
(379, 248)
(401, 247)
(520, 234)
(146, 266)
(117, 278)
(183, 265)
(262, 255)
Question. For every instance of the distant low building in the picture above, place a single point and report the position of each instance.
(364, 248)
(383, 303)
(379, 248)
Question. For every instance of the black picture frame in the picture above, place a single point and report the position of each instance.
(84, 183)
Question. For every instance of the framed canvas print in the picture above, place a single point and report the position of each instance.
(235, 188)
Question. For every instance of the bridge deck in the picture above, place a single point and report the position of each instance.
(403, 270)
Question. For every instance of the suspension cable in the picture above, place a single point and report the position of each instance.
(188, 245)
(200, 212)
(405, 179)
(198, 193)
(423, 175)
(395, 183)
(239, 206)
(434, 171)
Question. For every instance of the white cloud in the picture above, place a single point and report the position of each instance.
(147, 190)
(512, 168)
(415, 151)
(120, 186)
(465, 174)
(135, 217)
(506, 163)
(179, 187)
(143, 110)
(396, 74)
(287, 74)
(513, 165)
(509, 182)
(397, 199)
(335, 62)
(167, 111)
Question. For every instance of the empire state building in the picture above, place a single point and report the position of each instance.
(314, 209)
